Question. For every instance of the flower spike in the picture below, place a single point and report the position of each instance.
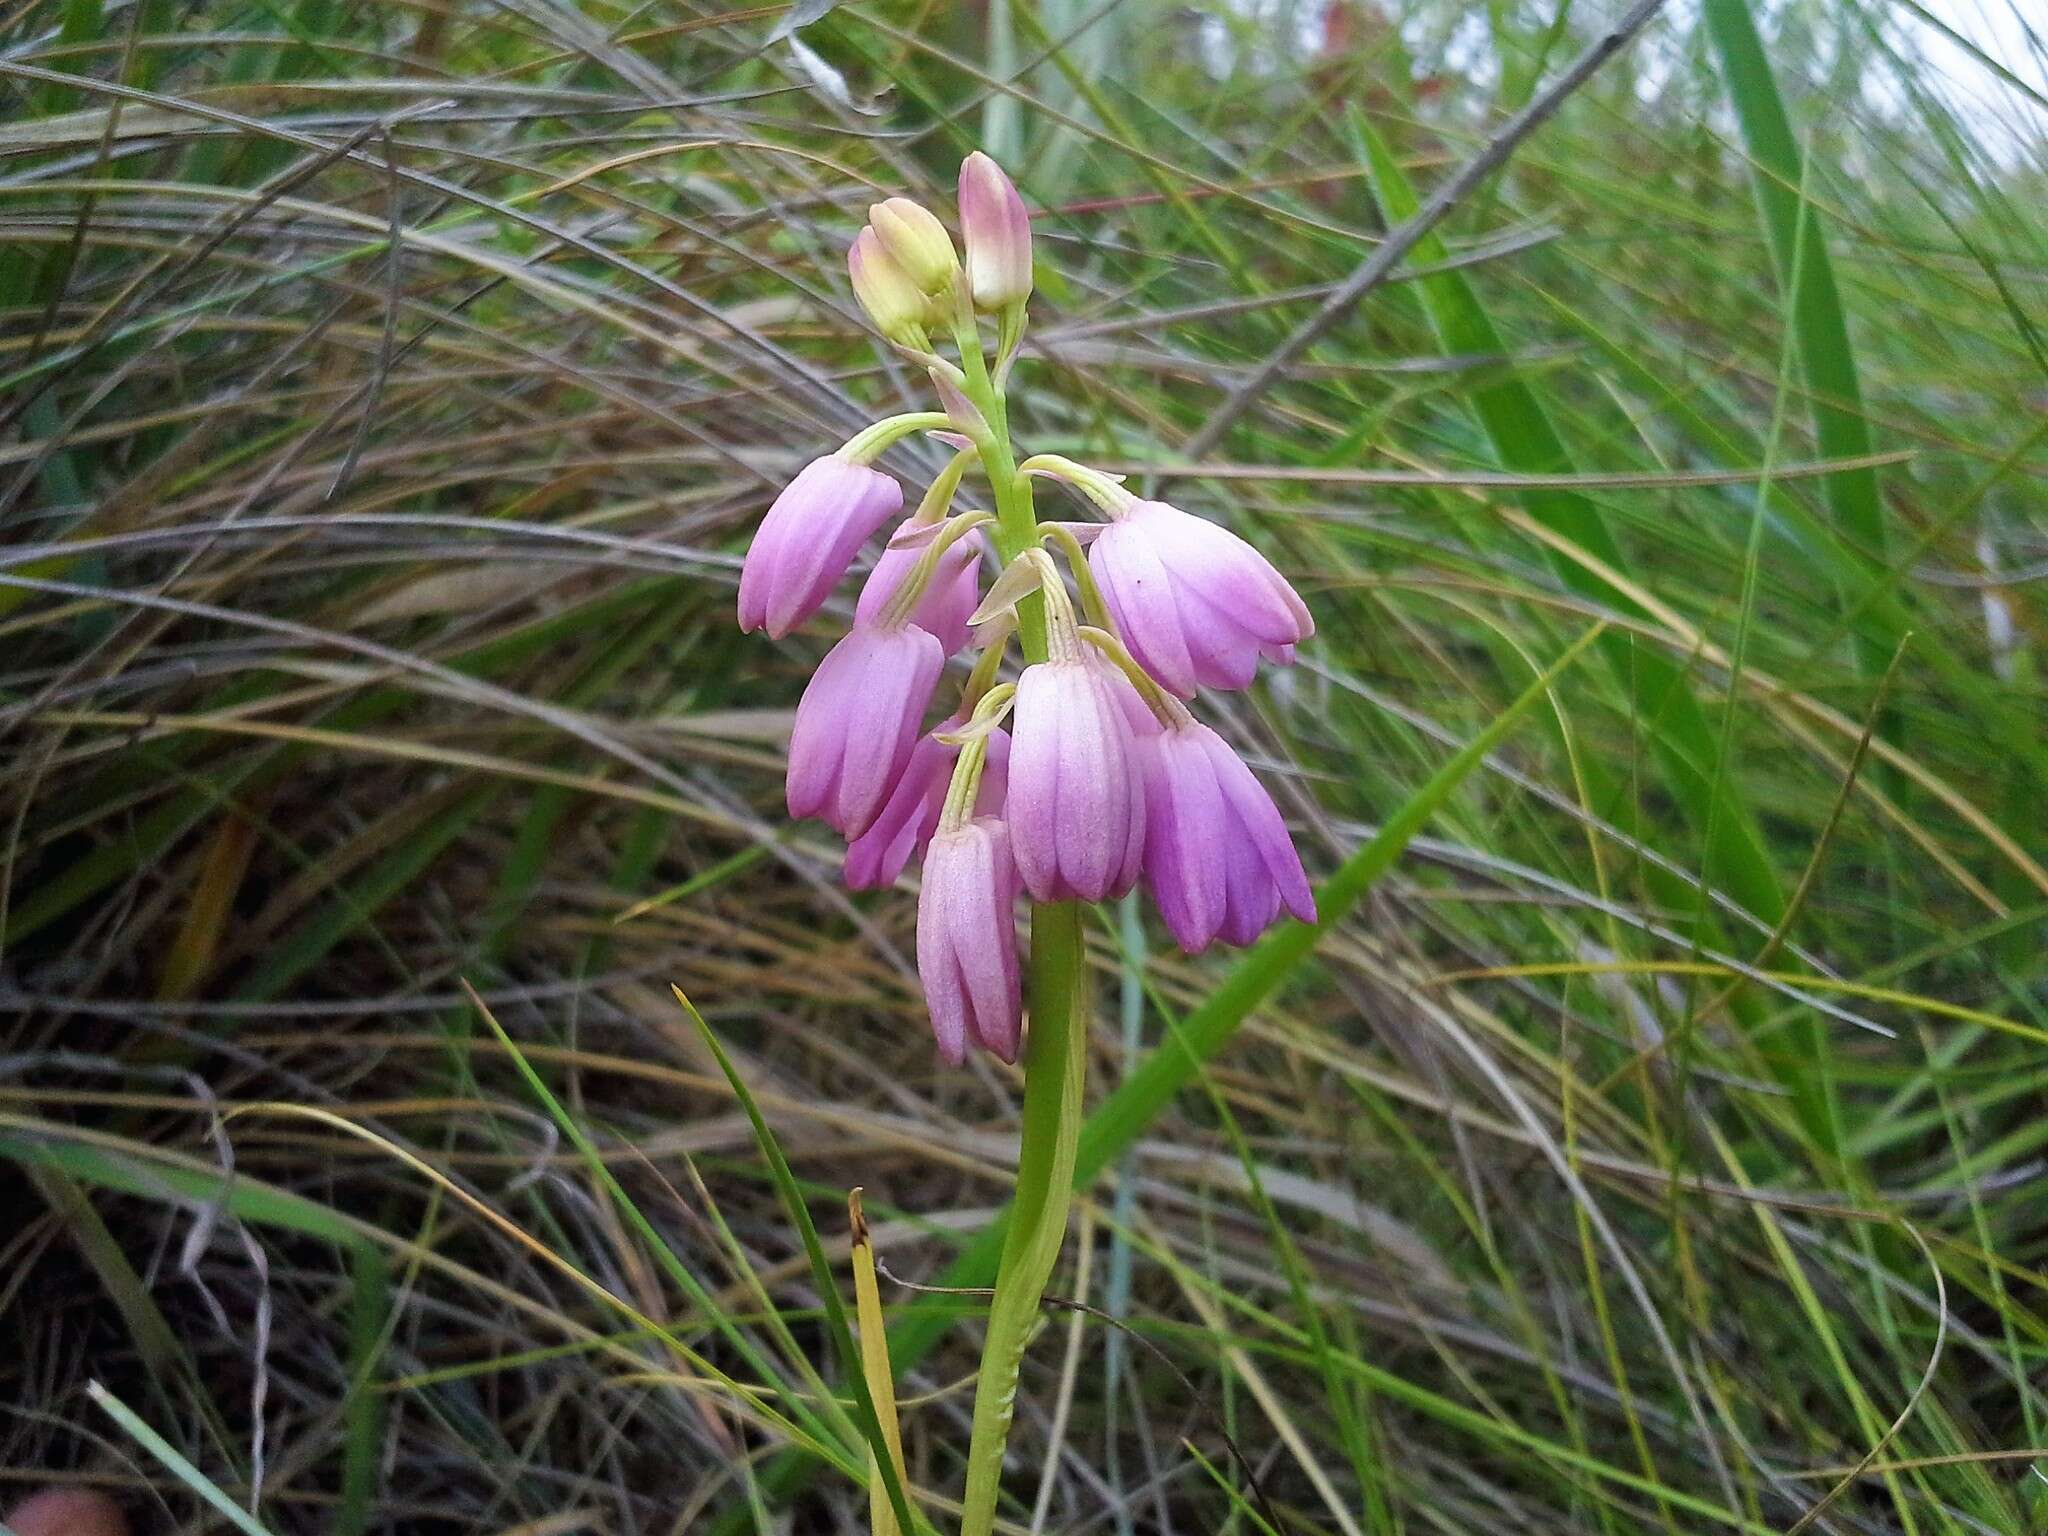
(1087, 773)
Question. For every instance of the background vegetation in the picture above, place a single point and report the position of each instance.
(388, 391)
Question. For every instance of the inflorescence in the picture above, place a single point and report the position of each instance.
(1103, 777)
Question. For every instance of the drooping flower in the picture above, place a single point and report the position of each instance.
(1218, 859)
(996, 230)
(1076, 805)
(950, 597)
(857, 723)
(918, 242)
(907, 819)
(1195, 603)
(967, 940)
(808, 538)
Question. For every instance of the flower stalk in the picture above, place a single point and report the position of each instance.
(1055, 1046)
(1103, 778)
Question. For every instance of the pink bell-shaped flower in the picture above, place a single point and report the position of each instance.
(1195, 603)
(907, 819)
(1218, 859)
(967, 940)
(808, 538)
(858, 722)
(949, 599)
(1076, 804)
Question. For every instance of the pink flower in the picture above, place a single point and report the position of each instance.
(1218, 860)
(1076, 804)
(808, 539)
(995, 228)
(857, 723)
(1196, 604)
(949, 600)
(905, 825)
(967, 940)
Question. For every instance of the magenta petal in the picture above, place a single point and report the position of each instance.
(995, 776)
(857, 724)
(1195, 603)
(880, 854)
(1265, 839)
(967, 941)
(1185, 837)
(948, 602)
(808, 538)
(905, 823)
(1076, 805)
(1218, 859)
(1139, 593)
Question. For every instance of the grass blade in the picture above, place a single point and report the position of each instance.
(878, 1443)
(1122, 1118)
(166, 1455)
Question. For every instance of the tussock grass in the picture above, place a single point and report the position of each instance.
(388, 392)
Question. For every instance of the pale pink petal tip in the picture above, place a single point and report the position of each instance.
(995, 228)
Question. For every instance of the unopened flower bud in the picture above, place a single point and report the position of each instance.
(917, 242)
(885, 290)
(996, 231)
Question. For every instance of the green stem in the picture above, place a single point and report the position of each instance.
(1055, 1047)
(1055, 1061)
(1016, 522)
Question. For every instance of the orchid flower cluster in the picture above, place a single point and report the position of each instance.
(1088, 773)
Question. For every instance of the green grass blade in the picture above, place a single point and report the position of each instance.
(166, 1455)
(821, 1276)
(1525, 441)
(1799, 252)
(1122, 1118)
(664, 1253)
